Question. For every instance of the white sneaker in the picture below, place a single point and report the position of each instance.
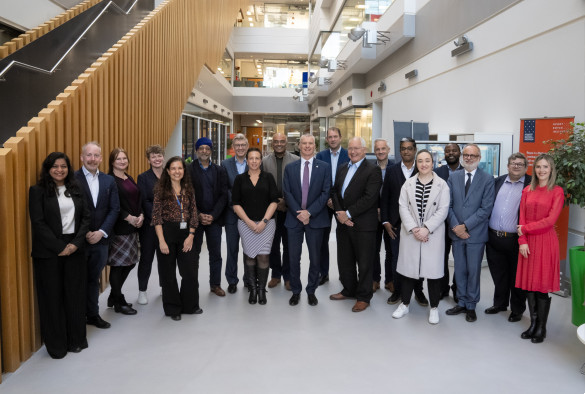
(400, 311)
(142, 299)
(434, 316)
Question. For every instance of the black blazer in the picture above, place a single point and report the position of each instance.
(122, 227)
(361, 196)
(146, 182)
(46, 225)
(220, 189)
(389, 208)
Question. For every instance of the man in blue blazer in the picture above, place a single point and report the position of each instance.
(306, 214)
(234, 166)
(101, 195)
(472, 200)
(336, 157)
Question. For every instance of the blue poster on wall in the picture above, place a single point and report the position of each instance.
(529, 131)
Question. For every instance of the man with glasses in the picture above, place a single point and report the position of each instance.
(502, 246)
(472, 200)
(274, 164)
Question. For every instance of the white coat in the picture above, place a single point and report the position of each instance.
(423, 259)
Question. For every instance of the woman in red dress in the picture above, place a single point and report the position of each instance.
(539, 260)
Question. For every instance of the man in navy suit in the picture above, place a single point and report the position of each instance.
(336, 157)
(101, 196)
(233, 166)
(472, 200)
(210, 185)
(306, 186)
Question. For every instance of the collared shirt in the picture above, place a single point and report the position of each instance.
(452, 171)
(350, 173)
(93, 183)
(472, 176)
(241, 167)
(407, 173)
(383, 169)
(334, 160)
(303, 168)
(506, 206)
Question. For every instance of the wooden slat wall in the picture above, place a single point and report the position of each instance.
(16, 43)
(131, 97)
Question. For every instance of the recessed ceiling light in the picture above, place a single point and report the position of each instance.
(250, 19)
(251, 25)
(248, 13)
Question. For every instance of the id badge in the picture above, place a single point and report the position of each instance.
(183, 225)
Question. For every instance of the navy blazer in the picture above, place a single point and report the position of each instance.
(146, 183)
(232, 172)
(443, 171)
(474, 209)
(319, 188)
(104, 215)
(325, 155)
(393, 181)
(220, 189)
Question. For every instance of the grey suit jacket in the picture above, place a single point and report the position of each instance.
(232, 172)
(269, 165)
(474, 209)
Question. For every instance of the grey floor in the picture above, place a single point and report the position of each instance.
(276, 348)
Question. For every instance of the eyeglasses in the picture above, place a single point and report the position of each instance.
(406, 148)
(516, 165)
(467, 156)
(240, 145)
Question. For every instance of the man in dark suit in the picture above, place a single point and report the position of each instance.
(395, 177)
(233, 166)
(101, 196)
(210, 185)
(336, 157)
(452, 157)
(306, 187)
(502, 246)
(275, 164)
(355, 196)
(472, 199)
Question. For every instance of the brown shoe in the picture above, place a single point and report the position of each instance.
(375, 286)
(389, 286)
(337, 297)
(360, 306)
(273, 282)
(218, 291)
(287, 285)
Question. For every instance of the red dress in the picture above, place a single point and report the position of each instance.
(539, 211)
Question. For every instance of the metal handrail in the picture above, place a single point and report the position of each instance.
(52, 70)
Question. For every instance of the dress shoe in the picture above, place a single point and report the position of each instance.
(324, 279)
(75, 349)
(287, 285)
(337, 297)
(400, 311)
(142, 298)
(492, 310)
(198, 311)
(360, 306)
(273, 282)
(434, 316)
(456, 310)
(124, 309)
(421, 299)
(176, 317)
(375, 286)
(122, 301)
(394, 298)
(389, 286)
(470, 315)
(232, 289)
(294, 300)
(98, 322)
(313, 300)
(218, 291)
(514, 317)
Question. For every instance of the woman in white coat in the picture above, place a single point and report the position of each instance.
(424, 204)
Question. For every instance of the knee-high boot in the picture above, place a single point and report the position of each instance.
(262, 279)
(251, 274)
(531, 299)
(542, 308)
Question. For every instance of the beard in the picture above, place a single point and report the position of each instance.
(469, 167)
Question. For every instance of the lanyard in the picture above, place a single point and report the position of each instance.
(179, 198)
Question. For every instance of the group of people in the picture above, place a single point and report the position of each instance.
(86, 219)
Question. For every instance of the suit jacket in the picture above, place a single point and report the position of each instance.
(444, 172)
(46, 225)
(232, 172)
(319, 189)
(105, 213)
(474, 209)
(220, 189)
(361, 195)
(269, 165)
(389, 209)
(325, 155)
(146, 182)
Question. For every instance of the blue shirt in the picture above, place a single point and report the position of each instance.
(334, 160)
(241, 167)
(505, 212)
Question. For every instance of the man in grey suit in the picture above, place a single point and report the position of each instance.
(274, 164)
(472, 199)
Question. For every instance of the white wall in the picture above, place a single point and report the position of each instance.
(28, 14)
(278, 40)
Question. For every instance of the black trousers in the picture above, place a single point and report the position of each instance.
(185, 299)
(280, 266)
(502, 258)
(355, 247)
(408, 285)
(148, 245)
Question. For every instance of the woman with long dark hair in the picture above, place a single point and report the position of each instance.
(59, 222)
(174, 217)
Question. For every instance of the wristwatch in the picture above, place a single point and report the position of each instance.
(265, 220)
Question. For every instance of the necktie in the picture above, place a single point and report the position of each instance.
(305, 192)
(468, 183)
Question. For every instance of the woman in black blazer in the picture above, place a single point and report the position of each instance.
(59, 221)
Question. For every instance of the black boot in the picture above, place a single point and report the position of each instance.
(542, 308)
(531, 298)
(251, 274)
(262, 279)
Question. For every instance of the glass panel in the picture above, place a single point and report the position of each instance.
(225, 66)
(490, 154)
(355, 122)
(269, 73)
(292, 16)
(292, 126)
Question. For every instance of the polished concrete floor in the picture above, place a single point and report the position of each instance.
(237, 347)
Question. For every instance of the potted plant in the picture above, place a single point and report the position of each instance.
(569, 158)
